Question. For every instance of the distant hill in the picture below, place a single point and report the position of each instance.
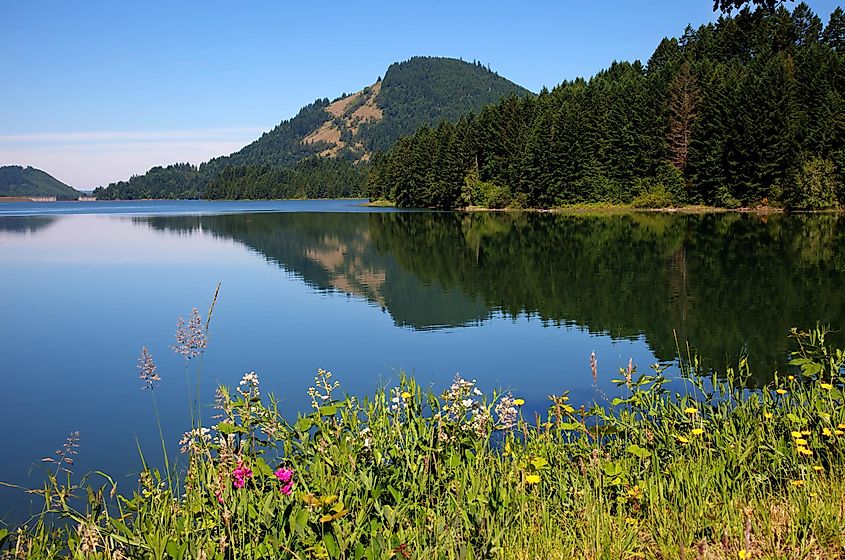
(326, 139)
(28, 181)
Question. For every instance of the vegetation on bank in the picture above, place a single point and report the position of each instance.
(695, 467)
(743, 111)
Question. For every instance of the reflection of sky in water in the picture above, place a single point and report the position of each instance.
(81, 295)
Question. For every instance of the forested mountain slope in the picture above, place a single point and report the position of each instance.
(317, 153)
(28, 181)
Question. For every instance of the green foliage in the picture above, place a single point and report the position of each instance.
(667, 468)
(813, 186)
(28, 181)
(736, 105)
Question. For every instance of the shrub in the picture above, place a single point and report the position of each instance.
(812, 187)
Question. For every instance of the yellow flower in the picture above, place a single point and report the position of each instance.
(826, 386)
(805, 432)
(797, 483)
(743, 555)
(768, 415)
(839, 432)
(697, 431)
(818, 468)
(800, 441)
(405, 395)
(841, 426)
(813, 494)
(630, 521)
(795, 434)
(682, 439)
(781, 391)
(690, 410)
(790, 377)
(805, 451)
(827, 432)
(518, 402)
(532, 478)
(635, 492)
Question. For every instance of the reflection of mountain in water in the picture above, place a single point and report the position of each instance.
(725, 282)
(335, 252)
(24, 224)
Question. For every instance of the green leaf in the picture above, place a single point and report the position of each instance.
(303, 424)
(640, 452)
(328, 410)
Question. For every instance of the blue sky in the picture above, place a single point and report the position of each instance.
(96, 91)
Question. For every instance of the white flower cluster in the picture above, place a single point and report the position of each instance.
(506, 412)
(322, 389)
(397, 403)
(462, 404)
(194, 440)
(249, 384)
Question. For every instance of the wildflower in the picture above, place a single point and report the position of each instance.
(406, 395)
(467, 403)
(285, 476)
(826, 386)
(795, 434)
(818, 468)
(743, 555)
(691, 411)
(506, 412)
(768, 415)
(790, 377)
(532, 478)
(594, 364)
(191, 340)
(697, 431)
(630, 521)
(805, 451)
(398, 400)
(635, 492)
(65, 455)
(241, 474)
(800, 441)
(682, 439)
(838, 432)
(805, 432)
(781, 391)
(827, 432)
(147, 369)
(797, 483)
(518, 402)
(841, 426)
(219, 495)
(195, 440)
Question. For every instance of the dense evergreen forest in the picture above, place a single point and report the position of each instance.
(747, 110)
(323, 151)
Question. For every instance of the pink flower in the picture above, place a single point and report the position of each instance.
(241, 474)
(219, 496)
(285, 476)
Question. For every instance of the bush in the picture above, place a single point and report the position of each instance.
(812, 187)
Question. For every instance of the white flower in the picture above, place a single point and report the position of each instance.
(467, 403)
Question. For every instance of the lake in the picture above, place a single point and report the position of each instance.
(517, 301)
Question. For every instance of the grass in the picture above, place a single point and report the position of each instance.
(710, 471)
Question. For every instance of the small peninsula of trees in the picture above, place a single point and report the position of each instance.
(742, 111)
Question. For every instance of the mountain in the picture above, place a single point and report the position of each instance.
(316, 152)
(28, 181)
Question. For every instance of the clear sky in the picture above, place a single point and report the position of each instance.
(95, 91)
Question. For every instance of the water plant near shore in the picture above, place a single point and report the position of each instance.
(711, 471)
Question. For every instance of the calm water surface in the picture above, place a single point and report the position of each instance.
(516, 301)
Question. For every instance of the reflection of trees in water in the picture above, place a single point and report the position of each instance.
(335, 252)
(724, 282)
(24, 224)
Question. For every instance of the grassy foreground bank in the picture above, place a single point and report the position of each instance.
(696, 468)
